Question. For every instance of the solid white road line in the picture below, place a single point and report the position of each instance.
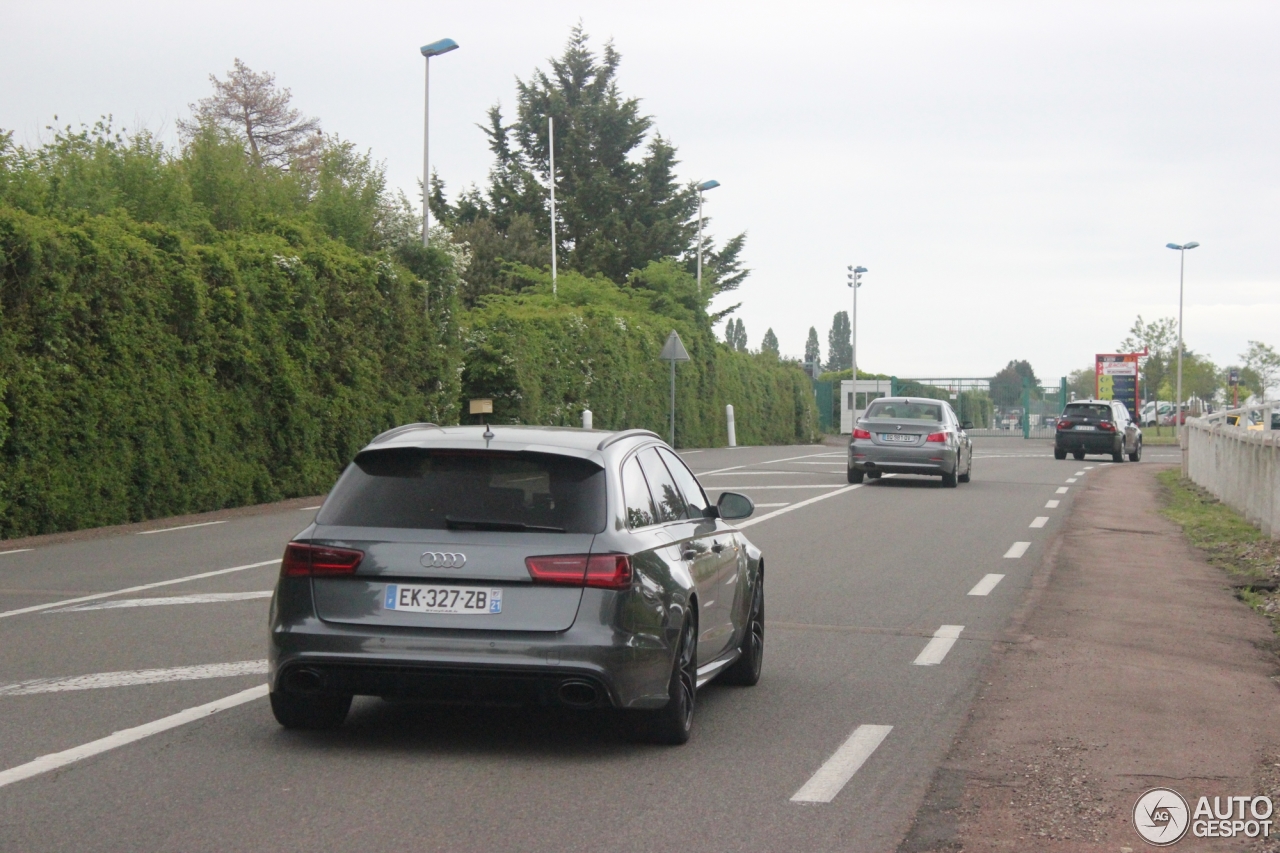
(807, 456)
(35, 608)
(1016, 550)
(784, 503)
(735, 487)
(936, 649)
(777, 512)
(15, 551)
(719, 470)
(1071, 479)
(823, 786)
(984, 586)
(768, 473)
(55, 760)
(1040, 521)
(1062, 490)
(309, 508)
(1051, 504)
(689, 452)
(131, 678)
(180, 527)
(198, 598)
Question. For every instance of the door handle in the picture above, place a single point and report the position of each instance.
(689, 554)
(718, 547)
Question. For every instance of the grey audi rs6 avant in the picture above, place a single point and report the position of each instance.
(514, 565)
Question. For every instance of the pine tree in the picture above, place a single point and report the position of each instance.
(769, 343)
(839, 346)
(741, 341)
(812, 349)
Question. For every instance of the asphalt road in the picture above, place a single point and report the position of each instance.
(859, 581)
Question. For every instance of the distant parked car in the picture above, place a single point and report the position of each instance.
(1097, 426)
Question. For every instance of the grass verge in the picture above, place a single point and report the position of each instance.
(1150, 440)
(1251, 560)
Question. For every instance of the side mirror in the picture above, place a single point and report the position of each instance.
(967, 425)
(732, 505)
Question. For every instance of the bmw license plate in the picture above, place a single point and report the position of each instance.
(455, 600)
(893, 436)
(1086, 427)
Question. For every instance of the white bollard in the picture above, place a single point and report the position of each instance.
(733, 434)
(586, 419)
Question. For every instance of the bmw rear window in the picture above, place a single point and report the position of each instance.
(902, 410)
(1086, 410)
(468, 490)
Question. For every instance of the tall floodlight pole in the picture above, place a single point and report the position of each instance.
(1182, 266)
(702, 187)
(855, 281)
(429, 50)
(551, 147)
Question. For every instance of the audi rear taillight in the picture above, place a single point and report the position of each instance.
(861, 433)
(302, 560)
(603, 571)
(939, 437)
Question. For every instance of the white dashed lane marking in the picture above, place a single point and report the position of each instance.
(835, 773)
(1040, 521)
(1017, 550)
(984, 586)
(1079, 473)
(132, 678)
(1071, 479)
(1062, 490)
(936, 649)
(1051, 504)
(198, 598)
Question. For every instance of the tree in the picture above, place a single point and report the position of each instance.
(619, 205)
(735, 335)
(769, 343)
(839, 346)
(1160, 339)
(1083, 383)
(1006, 386)
(249, 107)
(1264, 361)
(813, 350)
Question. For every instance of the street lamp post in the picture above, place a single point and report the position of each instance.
(429, 50)
(1178, 416)
(855, 281)
(703, 187)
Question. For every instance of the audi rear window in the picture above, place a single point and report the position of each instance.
(1087, 411)
(468, 490)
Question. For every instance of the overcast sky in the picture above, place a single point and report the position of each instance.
(1008, 172)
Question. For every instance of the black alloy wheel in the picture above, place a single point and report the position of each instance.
(1136, 455)
(1059, 453)
(301, 711)
(673, 723)
(855, 476)
(745, 671)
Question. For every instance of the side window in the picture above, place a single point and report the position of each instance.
(635, 495)
(666, 495)
(695, 499)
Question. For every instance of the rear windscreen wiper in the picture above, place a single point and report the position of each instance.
(514, 526)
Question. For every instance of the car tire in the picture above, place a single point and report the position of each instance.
(1118, 455)
(855, 476)
(745, 671)
(1136, 455)
(1077, 455)
(300, 711)
(672, 724)
(1059, 453)
(968, 472)
(949, 480)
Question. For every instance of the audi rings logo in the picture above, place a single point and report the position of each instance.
(443, 560)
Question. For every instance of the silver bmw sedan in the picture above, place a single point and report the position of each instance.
(566, 567)
(910, 435)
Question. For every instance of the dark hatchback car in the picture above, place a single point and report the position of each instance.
(1097, 426)
(516, 565)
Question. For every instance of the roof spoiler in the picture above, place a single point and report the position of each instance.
(626, 433)
(392, 433)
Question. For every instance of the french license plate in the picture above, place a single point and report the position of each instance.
(1086, 427)
(893, 436)
(455, 600)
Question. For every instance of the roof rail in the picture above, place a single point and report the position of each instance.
(626, 433)
(392, 433)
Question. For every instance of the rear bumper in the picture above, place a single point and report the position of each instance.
(930, 459)
(1088, 442)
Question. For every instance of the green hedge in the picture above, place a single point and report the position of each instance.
(543, 359)
(146, 375)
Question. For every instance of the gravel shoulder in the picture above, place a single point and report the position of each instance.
(1130, 665)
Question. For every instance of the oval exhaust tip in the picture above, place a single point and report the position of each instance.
(306, 681)
(578, 694)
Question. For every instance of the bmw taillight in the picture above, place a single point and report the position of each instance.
(603, 571)
(939, 437)
(302, 560)
(1107, 426)
(861, 433)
